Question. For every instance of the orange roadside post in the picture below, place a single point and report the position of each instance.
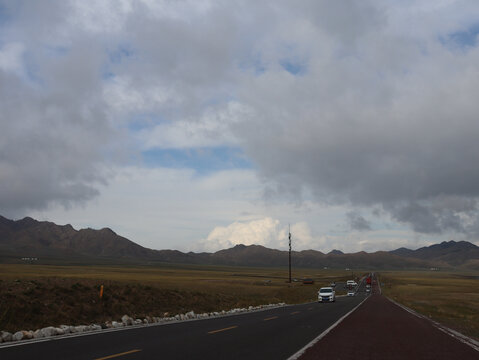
(101, 291)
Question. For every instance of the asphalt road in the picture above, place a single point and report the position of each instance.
(380, 329)
(271, 334)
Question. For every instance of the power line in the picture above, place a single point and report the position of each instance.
(289, 231)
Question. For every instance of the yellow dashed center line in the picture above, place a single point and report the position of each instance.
(216, 331)
(270, 318)
(295, 312)
(119, 354)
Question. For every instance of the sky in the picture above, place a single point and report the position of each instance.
(198, 125)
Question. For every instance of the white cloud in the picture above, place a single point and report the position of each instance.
(163, 208)
(264, 232)
(11, 58)
(100, 17)
(382, 114)
(125, 99)
(211, 129)
(267, 232)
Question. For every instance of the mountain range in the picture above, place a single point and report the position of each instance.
(50, 243)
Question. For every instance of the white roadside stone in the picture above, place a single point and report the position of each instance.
(17, 336)
(190, 315)
(125, 319)
(80, 328)
(48, 331)
(116, 324)
(6, 336)
(66, 329)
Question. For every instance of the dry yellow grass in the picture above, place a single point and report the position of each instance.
(33, 296)
(201, 278)
(450, 298)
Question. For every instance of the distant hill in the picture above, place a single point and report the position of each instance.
(450, 252)
(51, 243)
(31, 238)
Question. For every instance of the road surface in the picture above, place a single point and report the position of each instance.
(270, 334)
(380, 329)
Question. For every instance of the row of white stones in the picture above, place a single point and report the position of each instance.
(126, 320)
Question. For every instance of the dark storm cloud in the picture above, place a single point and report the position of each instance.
(357, 221)
(382, 117)
(379, 111)
(54, 127)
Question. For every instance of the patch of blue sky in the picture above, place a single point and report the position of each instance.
(219, 99)
(117, 56)
(107, 74)
(142, 121)
(30, 71)
(293, 67)
(254, 63)
(6, 13)
(56, 51)
(203, 160)
(462, 39)
(121, 53)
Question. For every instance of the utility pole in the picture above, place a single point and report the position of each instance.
(289, 231)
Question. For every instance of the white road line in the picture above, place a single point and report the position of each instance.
(323, 334)
(455, 334)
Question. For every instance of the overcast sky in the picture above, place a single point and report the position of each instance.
(198, 125)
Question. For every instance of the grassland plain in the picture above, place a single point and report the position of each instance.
(34, 296)
(450, 298)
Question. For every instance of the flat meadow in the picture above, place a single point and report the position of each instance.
(450, 298)
(34, 296)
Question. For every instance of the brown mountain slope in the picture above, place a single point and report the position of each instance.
(450, 252)
(31, 238)
(46, 240)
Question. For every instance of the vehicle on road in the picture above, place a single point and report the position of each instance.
(326, 294)
(308, 281)
(351, 283)
(333, 284)
(351, 293)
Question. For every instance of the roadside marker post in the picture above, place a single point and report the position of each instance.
(101, 292)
